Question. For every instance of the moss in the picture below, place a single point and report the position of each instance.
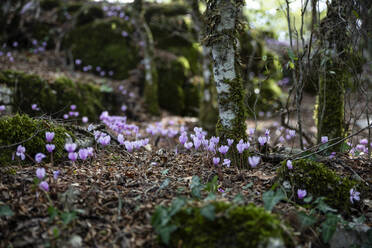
(172, 77)
(101, 44)
(329, 110)
(89, 15)
(319, 181)
(269, 97)
(151, 93)
(192, 98)
(234, 226)
(31, 132)
(55, 98)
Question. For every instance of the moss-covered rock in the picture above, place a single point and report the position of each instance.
(233, 226)
(56, 97)
(172, 76)
(30, 133)
(102, 44)
(319, 181)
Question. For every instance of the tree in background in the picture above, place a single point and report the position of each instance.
(335, 40)
(151, 77)
(208, 111)
(222, 20)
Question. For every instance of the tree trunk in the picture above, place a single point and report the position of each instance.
(335, 72)
(223, 22)
(151, 77)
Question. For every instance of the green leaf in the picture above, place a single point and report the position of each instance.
(165, 233)
(308, 199)
(196, 187)
(212, 185)
(238, 199)
(106, 88)
(164, 172)
(67, 217)
(329, 226)
(211, 197)
(323, 207)
(164, 184)
(55, 232)
(270, 198)
(208, 212)
(247, 186)
(306, 220)
(5, 211)
(53, 212)
(176, 205)
(291, 55)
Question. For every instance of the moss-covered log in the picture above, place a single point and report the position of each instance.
(30, 133)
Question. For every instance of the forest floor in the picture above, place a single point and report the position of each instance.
(115, 194)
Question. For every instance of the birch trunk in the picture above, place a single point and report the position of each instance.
(222, 17)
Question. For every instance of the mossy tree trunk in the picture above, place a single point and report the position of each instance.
(334, 74)
(221, 35)
(151, 77)
(208, 112)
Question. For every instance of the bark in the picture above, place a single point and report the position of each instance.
(334, 76)
(223, 25)
(151, 84)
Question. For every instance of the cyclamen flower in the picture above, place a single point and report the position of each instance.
(39, 157)
(216, 160)
(49, 136)
(188, 145)
(301, 193)
(2, 108)
(124, 108)
(34, 107)
(65, 116)
(83, 154)
(267, 132)
(21, 152)
(324, 139)
(84, 119)
(240, 146)
(56, 174)
(104, 140)
(333, 154)
(363, 141)
(90, 151)
(230, 142)
(73, 107)
(223, 149)
(50, 147)
(251, 131)
(354, 195)
(129, 146)
(40, 173)
(289, 164)
(262, 140)
(70, 147)
(292, 133)
(44, 186)
(72, 156)
(254, 161)
(215, 140)
(197, 143)
(121, 139)
(227, 162)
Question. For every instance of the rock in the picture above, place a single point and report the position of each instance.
(356, 237)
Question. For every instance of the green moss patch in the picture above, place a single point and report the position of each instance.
(319, 181)
(56, 97)
(101, 44)
(31, 133)
(220, 224)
